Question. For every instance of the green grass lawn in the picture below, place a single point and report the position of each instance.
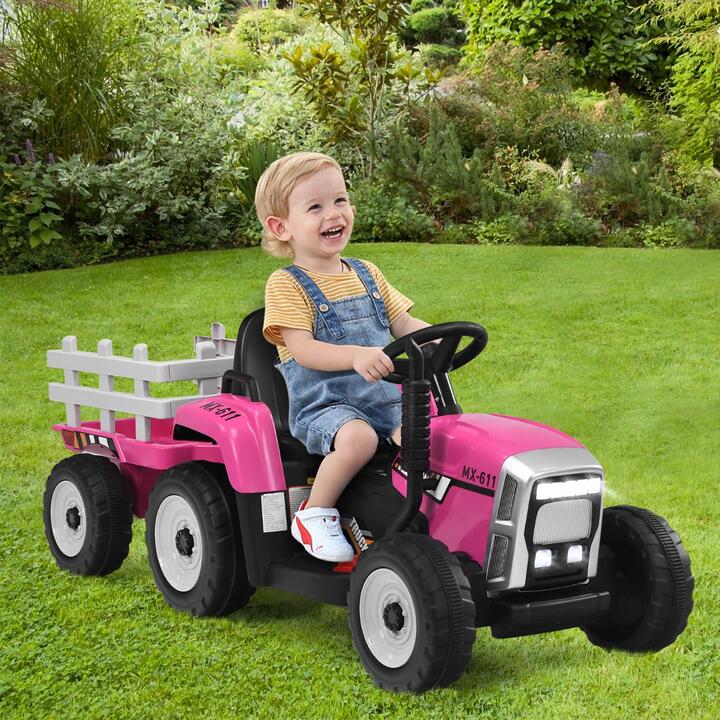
(619, 348)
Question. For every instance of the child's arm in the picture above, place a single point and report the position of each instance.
(405, 324)
(369, 362)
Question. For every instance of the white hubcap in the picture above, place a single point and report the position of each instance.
(178, 542)
(67, 518)
(387, 617)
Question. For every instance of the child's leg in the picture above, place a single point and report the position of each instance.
(395, 435)
(355, 443)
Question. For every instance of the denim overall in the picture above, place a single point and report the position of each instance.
(321, 402)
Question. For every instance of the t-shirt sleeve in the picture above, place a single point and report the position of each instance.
(286, 305)
(395, 302)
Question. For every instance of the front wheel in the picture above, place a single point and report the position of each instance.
(194, 546)
(411, 613)
(653, 580)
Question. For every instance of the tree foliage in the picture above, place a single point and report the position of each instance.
(604, 39)
(350, 94)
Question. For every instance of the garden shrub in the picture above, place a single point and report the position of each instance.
(554, 216)
(604, 39)
(268, 27)
(435, 174)
(386, 216)
(431, 25)
(269, 111)
(696, 96)
(504, 230)
(71, 57)
(439, 56)
(231, 57)
(520, 98)
(418, 5)
(29, 210)
(452, 234)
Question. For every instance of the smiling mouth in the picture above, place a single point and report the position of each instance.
(333, 233)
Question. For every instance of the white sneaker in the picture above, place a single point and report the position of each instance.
(318, 531)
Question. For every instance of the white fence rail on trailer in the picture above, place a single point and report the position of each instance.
(214, 355)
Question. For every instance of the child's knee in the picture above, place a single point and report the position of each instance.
(357, 437)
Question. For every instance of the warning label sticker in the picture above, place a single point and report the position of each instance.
(297, 495)
(273, 512)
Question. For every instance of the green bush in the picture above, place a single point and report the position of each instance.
(434, 173)
(71, 56)
(231, 57)
(268, 27)
(452, 234)
(418, 5)
(439, 56)
(504, 230)
(696, 97)
(604, 39)
(554, 215)
(385, 216)
(521, 99)
(29, 210)
(430, 25)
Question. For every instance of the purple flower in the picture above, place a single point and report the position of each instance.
(16, 159)
(30, 153)
(51, 159)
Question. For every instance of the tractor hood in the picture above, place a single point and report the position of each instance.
(485, 441)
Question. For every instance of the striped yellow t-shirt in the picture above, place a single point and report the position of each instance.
(287, 305)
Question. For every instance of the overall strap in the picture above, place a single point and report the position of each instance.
(372, 289)
(323, 308)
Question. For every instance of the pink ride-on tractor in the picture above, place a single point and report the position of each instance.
(480, 519)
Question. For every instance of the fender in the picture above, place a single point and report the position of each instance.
(245, 434)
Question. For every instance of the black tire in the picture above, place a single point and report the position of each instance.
(88, 515)
(436, 601)
(654, 583)
(210, 545)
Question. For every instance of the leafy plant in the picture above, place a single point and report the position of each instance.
(434, 172)
(522, 99)
(439, 56)
(692, 29)
(604, 39)
(384, 216)
(351, 94)
(268, 27)
(71, 56)
(28, 207)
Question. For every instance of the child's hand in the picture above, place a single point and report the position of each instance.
(372, 363)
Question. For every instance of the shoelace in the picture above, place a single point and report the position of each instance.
(332, 525)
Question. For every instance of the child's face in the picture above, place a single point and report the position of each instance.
(318, 203)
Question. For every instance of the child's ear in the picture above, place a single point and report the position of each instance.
(277, 227)
(352, 207)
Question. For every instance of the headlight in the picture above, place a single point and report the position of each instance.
(568, 488)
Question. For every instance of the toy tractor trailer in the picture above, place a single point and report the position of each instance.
(478, 520)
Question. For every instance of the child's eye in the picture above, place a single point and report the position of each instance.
(312, 207)
(341, 199)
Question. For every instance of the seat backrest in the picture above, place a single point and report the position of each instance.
(256, 357)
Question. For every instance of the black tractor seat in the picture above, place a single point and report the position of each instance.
(255, 376)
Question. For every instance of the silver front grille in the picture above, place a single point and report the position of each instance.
(563, 521)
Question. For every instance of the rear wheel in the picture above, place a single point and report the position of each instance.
(88, 515)
(194, 546)
(411, 613)
(654, 583)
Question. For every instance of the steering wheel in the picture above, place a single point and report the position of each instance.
(443, 357)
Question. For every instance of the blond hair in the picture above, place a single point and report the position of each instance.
(274, 188)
